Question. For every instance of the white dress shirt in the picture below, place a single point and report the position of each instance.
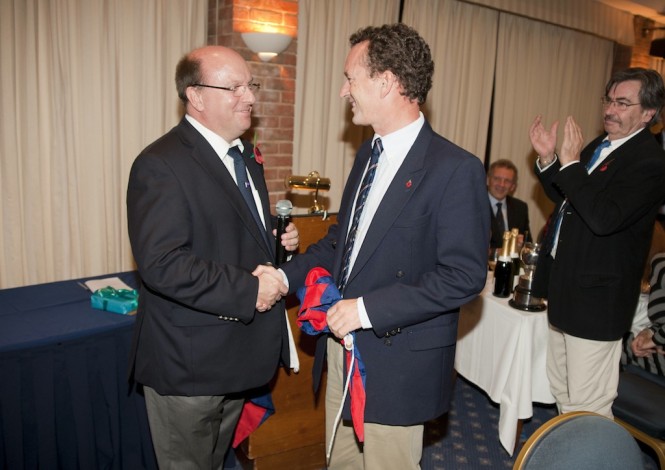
(395, 147)
(221, 148)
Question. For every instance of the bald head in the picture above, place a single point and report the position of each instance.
(212, 83)
(191, 68)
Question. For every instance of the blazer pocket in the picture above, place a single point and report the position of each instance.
(432, 338)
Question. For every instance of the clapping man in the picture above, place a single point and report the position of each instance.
(606, 195)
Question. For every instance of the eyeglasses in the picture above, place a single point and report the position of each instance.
(237, 90)
(621, 105)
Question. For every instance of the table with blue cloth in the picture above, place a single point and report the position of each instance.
(65, 401)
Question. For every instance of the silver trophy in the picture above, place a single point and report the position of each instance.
(522, 296)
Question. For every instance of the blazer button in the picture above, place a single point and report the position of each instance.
(388, 342)
(399, 274)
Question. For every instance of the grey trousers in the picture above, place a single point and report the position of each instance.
(191, 433)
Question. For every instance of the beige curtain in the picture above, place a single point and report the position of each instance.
(529, 67)
(325, 139)
(591, 16)
(462, 39)
(86, 84)
(548, 70)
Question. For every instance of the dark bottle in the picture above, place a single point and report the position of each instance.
(503, 272)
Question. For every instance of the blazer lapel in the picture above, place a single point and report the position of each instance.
(255, 171)
(616, 159)
(204, 154)
(346, 206)
(404, 184)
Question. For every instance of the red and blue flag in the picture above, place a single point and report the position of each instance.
(317, 295)
(254, 412)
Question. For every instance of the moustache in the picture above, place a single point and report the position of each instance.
(611, 118)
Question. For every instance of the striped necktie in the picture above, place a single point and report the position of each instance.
(365, 186)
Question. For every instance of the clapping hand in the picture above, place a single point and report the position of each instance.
(543, 140)
(572, 142)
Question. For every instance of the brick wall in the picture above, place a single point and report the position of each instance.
(273, 113)
(639, 56)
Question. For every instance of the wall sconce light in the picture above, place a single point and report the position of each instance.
(266, 45)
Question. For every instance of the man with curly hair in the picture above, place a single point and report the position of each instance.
(409, 249)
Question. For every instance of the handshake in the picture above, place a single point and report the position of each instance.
(271, 281)
(271, 287)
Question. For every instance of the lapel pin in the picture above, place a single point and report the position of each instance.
(605, 165)
(408, 184)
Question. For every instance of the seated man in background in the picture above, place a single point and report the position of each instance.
(507, 211)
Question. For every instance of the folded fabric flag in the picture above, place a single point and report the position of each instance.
(317, 295)
(254, 412)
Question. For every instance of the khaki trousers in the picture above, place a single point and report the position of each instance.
(385, 447)
(583, 374)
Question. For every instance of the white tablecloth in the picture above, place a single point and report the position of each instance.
(502, 350)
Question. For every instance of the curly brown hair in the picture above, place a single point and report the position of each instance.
(398, 48)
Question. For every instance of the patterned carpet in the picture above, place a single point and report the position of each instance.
(468, 437)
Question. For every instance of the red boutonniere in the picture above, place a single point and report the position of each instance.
(605, 165)
(257, 153)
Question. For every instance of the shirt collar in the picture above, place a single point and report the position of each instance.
(494, 200)
(400, 141)
(615, 144)
(219, 145)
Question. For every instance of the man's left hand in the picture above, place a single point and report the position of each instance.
(343, 317)
(290, 237)
(572, 142)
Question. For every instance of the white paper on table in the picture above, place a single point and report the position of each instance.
(115, 282)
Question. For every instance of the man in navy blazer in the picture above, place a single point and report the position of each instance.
(209, 327)
(420, 252)
(607, 196)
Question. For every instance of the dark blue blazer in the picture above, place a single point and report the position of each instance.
(196, 243)
(424, 255)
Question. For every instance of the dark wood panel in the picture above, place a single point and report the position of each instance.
(293, 438)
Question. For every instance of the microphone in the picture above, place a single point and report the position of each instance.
(283, 208)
